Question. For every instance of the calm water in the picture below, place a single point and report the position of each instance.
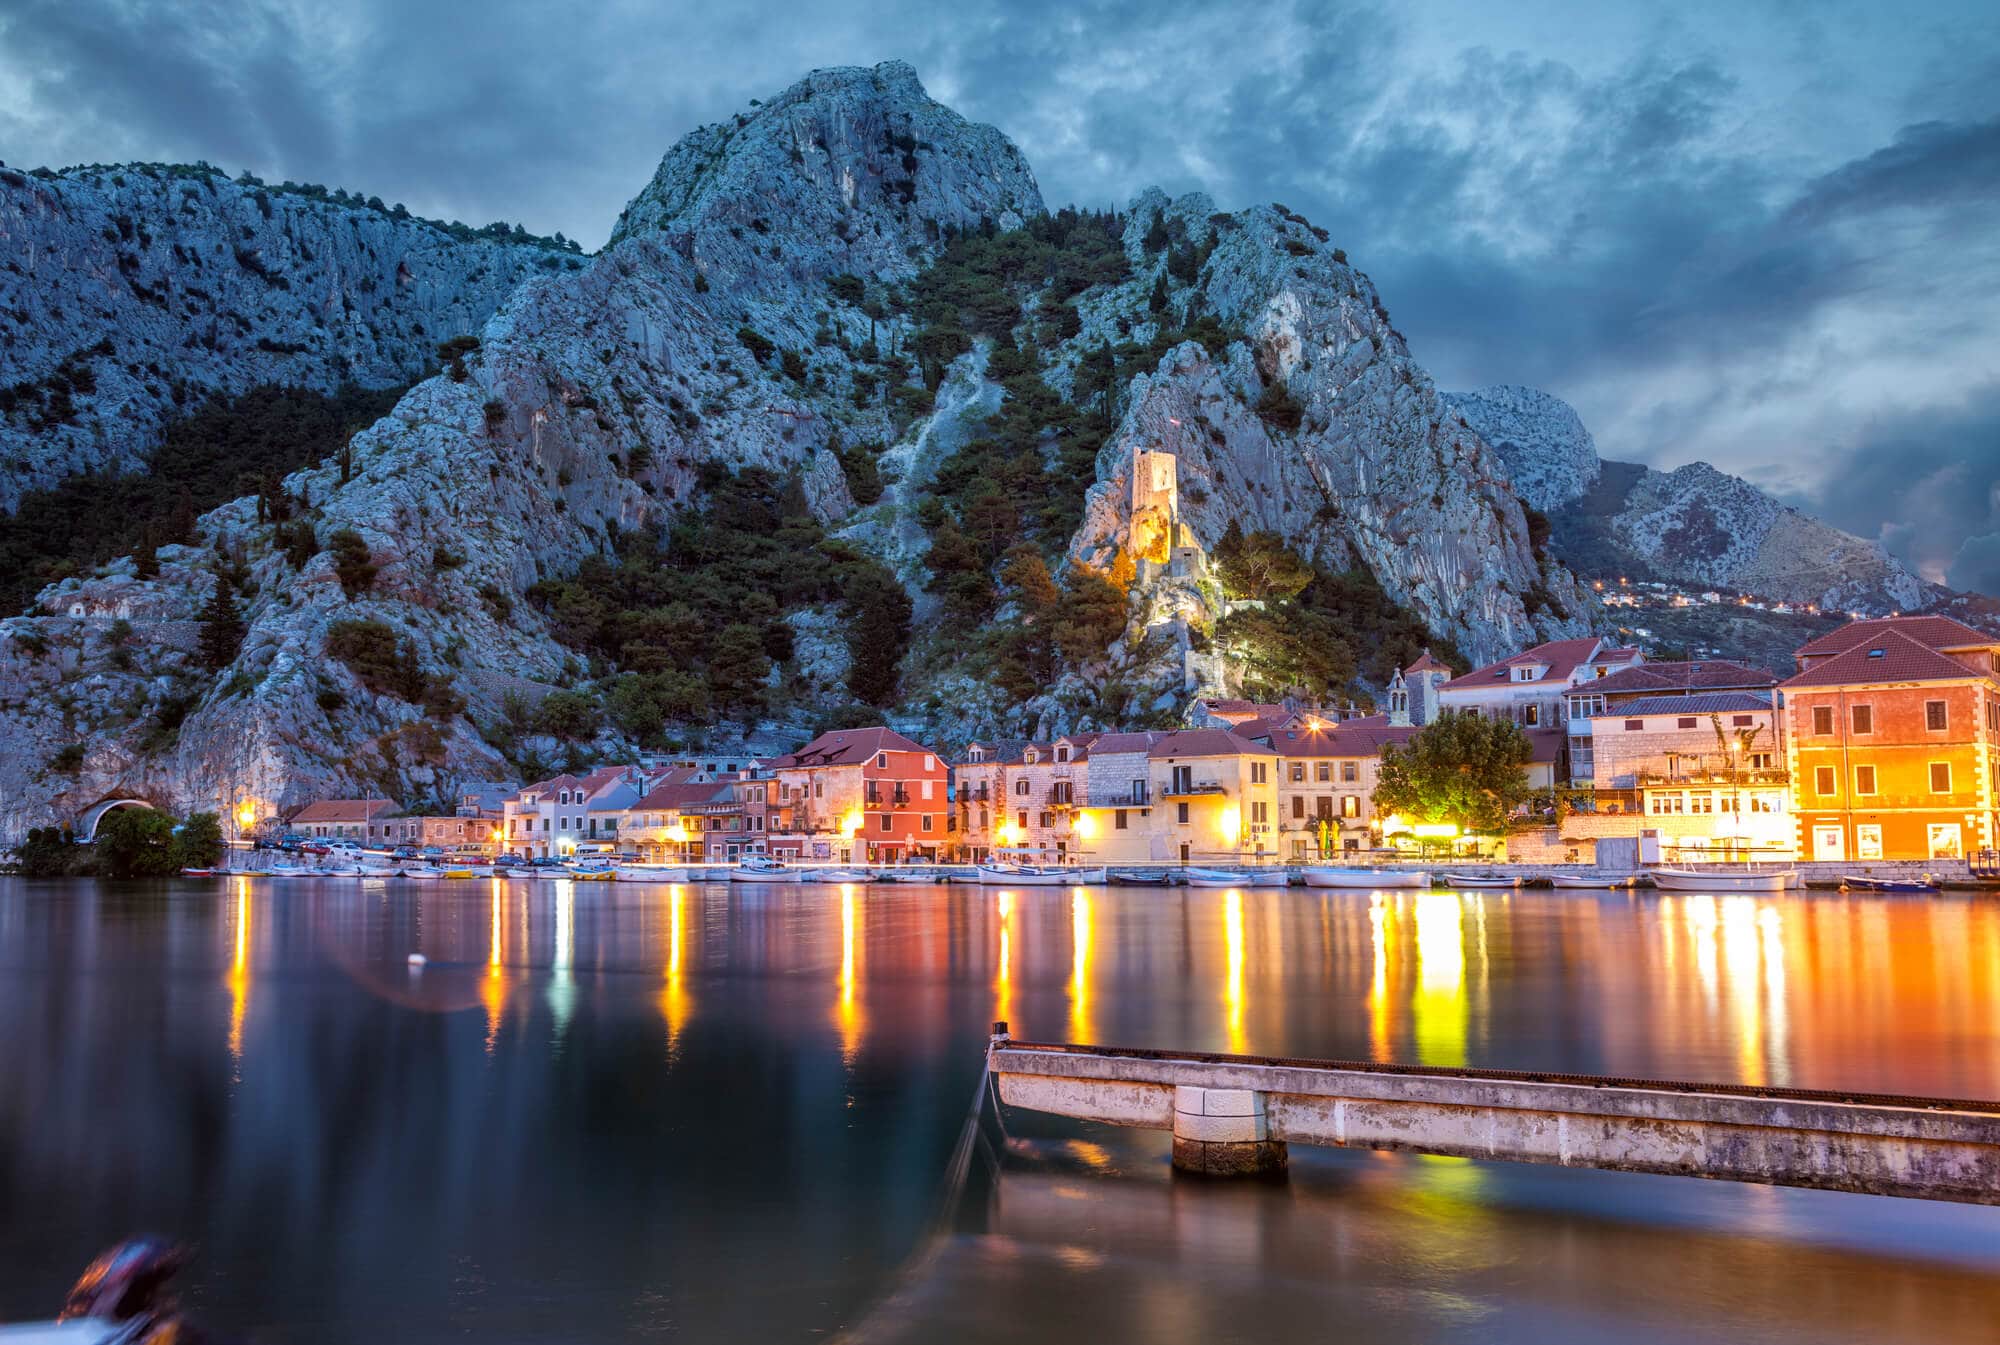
(612, 1112)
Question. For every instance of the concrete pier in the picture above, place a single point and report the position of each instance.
(1233, 1115)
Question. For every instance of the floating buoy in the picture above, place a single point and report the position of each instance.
(417, 961)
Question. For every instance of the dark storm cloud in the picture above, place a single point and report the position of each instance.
(1737, 232)
(1934, 476)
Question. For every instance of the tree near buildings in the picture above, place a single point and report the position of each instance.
(198, 843)
(136, 843)
(1461, 768)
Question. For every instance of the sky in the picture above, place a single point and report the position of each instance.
(1764, 235)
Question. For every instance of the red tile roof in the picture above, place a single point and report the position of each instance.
(1652, 679)
(1364, 737)
(1108, 743)
(343, 810)
(1561, 656)
(665, 798)
(1428, 662)
(1890, 656)
(1935, 632)
(848, 747)
(1207, 743)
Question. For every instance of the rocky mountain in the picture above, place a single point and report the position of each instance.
(1550, 457)
(765, 304)
(1695, 525)
(131, 293)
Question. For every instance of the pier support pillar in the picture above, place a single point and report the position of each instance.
(1222, 1132)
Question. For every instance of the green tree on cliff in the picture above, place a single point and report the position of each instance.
(221, 628)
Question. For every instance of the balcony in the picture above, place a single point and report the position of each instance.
(1700, 776)
(1193, 789)
(1141, 799)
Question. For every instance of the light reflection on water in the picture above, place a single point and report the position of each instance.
(604, 1107)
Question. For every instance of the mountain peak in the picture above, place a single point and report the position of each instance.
(859, 161)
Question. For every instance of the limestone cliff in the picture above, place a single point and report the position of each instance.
(128, 294)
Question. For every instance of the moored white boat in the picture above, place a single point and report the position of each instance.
(836, 875)
(424, 871)
(651, 873)
(1723, 880)
(1861, 882)
(1215, 878)
(1142, 877)
(1031, 875)
(1592, 879)
(763, 869)
(1365, 879)
(1480, 880)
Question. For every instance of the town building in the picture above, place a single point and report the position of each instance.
(1326, 783)
(1022, 799)
(369, 821)
(1198, 796)
(1703, 772)
(1413, 691)
(1536, 689)
(1892, 734)
(1648, 681)
(552, 817)
(870, 795)
(686, 819)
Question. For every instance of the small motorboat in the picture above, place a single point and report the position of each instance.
(460, 873)
(650, 873)
(1366, 879)
(1860, 882)
(202, 873)
(423, 871)
(840, 876)
(293, 871)
(898, 876)
(1480, 880)
(590, 873)
(1034, 875)
(1593, 880)
(763, 869)
(1141, 877)
(1215, 878)
(1723, 880)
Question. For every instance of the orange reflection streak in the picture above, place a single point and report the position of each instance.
(1777, 1031)
(1232, 985)
(1740, 948)
(1079, 975)
(1378, 989)
(238, 979)
(1439, 1009)
(1003, 988)
(493, 988)
(673, 995)
(847, 1013)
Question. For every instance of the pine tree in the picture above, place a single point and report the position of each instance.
(146, 556)
(221, 628)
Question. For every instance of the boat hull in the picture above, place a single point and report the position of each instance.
(1039, 877)
(1586, 880)
(1478, 880)
(763, 875)
(1369, 880)
(652, 875)
(1685, 880)
(1863, 884)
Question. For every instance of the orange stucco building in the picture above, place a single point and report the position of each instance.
(1892, 739)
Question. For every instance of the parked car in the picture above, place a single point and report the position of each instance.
(404, 852)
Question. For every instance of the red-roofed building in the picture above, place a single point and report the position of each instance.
(370, 821)
(1195, 795)
(1893, 740)
(1547, 687)
(863, 795)
(1022, 797)
(1326, 783)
